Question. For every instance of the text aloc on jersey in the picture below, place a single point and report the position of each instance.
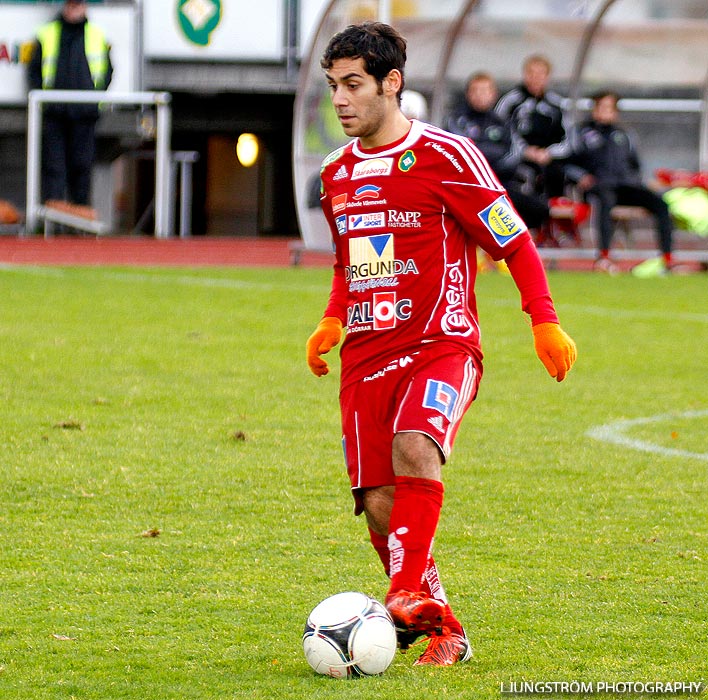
(384, 311)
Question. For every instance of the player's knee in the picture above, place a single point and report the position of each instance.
(418, 455)
(377, 507)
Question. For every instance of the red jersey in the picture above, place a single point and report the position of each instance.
(406, 220)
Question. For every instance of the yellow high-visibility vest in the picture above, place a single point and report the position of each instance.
(95, 44)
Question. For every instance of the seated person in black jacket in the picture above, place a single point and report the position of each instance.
(539, 125)
(609, 174)
(492, 135)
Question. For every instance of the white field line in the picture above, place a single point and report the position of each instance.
(162, 278)
(615, 433)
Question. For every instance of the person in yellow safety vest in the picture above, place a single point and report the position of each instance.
(70, 53)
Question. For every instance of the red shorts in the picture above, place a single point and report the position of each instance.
(427, 392)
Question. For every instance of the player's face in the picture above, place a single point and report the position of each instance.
(74, 12)
(536, 77)
(605, 111)
(481, 94)
(358, 99)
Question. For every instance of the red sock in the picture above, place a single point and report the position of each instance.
(431, 580)
(414, 518)
(433, 587)
(380, 544)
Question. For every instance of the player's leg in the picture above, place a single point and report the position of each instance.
(81, 155)
(440, 390)
(602, 199)
(54, 166)
(640, 196)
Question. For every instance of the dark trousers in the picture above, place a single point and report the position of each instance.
(547, 181)
(532, 208)
(68, 152)
(604, 198)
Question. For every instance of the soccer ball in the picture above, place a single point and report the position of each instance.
(349, 635)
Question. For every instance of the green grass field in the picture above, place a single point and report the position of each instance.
(173, 500)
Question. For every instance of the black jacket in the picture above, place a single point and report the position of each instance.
(492, 135)
(607, 152)
(536, 121)
(72, 71)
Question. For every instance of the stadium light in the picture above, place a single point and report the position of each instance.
(247, 148)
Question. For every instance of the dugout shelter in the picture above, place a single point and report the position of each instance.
(653, 52)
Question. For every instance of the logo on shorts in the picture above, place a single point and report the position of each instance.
(441, 397)
(502, 220)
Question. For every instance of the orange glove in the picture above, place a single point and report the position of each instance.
(327, 334)
(555, 348)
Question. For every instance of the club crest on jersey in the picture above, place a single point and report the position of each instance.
(372, 168)
(502, 221)
(406, 161)
(441, 397)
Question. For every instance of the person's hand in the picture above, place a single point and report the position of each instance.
(555, 348)
(586, 182)
(327, 334)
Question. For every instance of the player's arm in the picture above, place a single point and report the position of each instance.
(554, 347)
(329, 330)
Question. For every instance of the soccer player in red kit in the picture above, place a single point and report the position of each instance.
(407, 204)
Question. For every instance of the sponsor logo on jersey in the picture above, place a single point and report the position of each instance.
(371, 256)
(455, 320)
(334, 155)
(390, 367)
(341, 222)
(341, 174)
(383, 312)
(367, 192)
(502, 221)
(375, 219)
(445, 153)
(403, 219)
(406, 161)
(375, 167)
(372, 263)
(441, 397)
(437, 423)
(339, 203)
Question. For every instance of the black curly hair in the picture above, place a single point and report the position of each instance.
(380, 46)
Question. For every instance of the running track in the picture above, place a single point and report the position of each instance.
(134, 251)
(67, 250)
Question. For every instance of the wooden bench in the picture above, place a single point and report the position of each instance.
(52, 216)
(625, 216)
